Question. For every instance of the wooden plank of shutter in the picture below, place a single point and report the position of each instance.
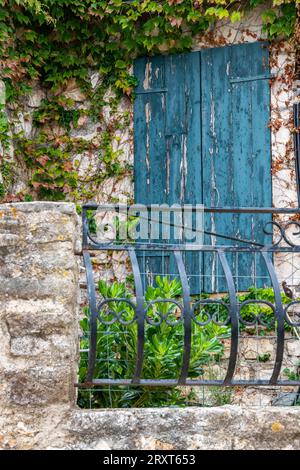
(183, 145)
(150, 148)
(149, 124)
(236, 149)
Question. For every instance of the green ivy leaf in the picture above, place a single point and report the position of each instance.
(235, 16)
(121, 64)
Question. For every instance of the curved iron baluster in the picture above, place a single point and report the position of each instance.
(234, 320)
(84, 228)
(140, 316)
(93, 317)
(280, 319)
(187, 318)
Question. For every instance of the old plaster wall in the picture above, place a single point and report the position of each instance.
(39, 355)
(283, 95)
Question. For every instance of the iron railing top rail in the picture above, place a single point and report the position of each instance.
(188, 247)
(90, 242)
(188, 382)
(221, 210)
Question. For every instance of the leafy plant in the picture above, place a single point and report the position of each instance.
(4, 129)
(58, 110)
(251, 310)
(264, 357)
(6, 175)
(92, 222)
(292, 374)
(124, 229)
(117, 342)
(117, 346)
(53, 172)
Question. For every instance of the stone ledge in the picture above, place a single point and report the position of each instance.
(227, 427)
(31, 226)
(39, 206)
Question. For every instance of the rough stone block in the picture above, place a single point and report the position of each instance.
(36, 96)
(293, 347)
(8, 239)
(40, 222)
(38, 304)
(36, 317)
(57, 287)
(40, 263)
(55, 349)
(39, 385)
(253, 348)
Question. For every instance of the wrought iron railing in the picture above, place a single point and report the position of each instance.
(263, 250)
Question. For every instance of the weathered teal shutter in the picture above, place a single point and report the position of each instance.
(201, 136)
(183, 144)
(167, 129)
(236, 152)
(149, 125)
(168, 139)
(150, 147)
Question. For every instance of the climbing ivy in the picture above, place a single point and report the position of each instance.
(59, 110)
(58, 41)
(4, 129)
(6, 177)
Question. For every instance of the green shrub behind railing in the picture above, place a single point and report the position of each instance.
(117, 343)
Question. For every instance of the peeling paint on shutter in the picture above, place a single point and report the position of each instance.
(201, 136)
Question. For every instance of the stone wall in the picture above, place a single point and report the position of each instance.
(38, 320)
(39, 340)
